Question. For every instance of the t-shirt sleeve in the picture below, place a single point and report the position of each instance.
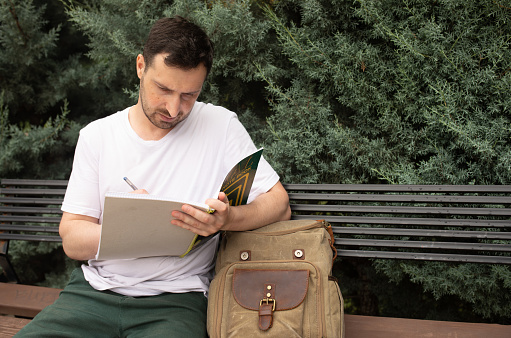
(82, 194)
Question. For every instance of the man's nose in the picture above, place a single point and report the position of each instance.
(173, 104)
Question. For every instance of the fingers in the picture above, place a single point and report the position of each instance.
(195, 220)
(195, 215)
(139, 191)
(223, 197)
(219, 205)
(199, 221)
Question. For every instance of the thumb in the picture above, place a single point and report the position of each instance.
(223, 197)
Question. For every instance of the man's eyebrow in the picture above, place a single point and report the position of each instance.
(192, 93)
(165, 88)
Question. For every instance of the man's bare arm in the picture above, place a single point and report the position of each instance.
(80, 235)
(267, 208)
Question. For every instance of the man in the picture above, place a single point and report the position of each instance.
(170, 145)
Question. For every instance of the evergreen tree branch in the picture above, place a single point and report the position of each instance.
(12, 10)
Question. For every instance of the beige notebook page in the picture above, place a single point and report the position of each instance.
(140, 227)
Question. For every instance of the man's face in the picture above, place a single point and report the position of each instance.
(167, 94)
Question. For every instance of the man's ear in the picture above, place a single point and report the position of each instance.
(140, 65)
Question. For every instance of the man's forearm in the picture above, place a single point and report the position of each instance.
(80, 236)
(267, 208)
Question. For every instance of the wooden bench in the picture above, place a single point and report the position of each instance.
(19, 303)
(441, 223)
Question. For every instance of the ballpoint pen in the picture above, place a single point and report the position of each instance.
(130, 183)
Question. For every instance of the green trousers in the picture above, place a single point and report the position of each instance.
(81, 311)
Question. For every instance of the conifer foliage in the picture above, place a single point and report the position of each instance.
(39, 81)
(412, 92)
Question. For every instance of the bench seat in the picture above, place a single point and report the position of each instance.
(25, 300)
(365, 327)
(385, 327)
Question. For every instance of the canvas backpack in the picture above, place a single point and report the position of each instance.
(276, 281)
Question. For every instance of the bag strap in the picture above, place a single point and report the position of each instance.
(266, 314)
(328, 228)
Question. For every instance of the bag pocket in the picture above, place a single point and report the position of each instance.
(270, 299)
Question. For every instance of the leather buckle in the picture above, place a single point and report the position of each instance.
(266, 309)
(267, 301)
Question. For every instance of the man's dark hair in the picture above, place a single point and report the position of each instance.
(186, 44)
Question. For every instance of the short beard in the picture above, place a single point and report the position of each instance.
(152, 117)
(160, 124)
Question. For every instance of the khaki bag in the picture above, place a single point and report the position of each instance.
(276, 281)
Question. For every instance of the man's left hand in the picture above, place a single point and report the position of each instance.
(202, 223)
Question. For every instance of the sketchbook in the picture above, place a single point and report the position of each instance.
(138, 225)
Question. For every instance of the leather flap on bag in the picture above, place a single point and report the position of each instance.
(286, 288)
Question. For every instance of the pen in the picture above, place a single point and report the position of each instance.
(130, 183)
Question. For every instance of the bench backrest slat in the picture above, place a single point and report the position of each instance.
(31, 201)
(441, 257)
(421, 244)
(400, 188)
(400, 198)
(496, 235)
(30, 219)
(451, 222)
(25, 237)
(28, 228)
(36, 192)
(29, 182)
(30, 210)
(378, 209)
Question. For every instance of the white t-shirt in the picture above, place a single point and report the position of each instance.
(190, 163)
